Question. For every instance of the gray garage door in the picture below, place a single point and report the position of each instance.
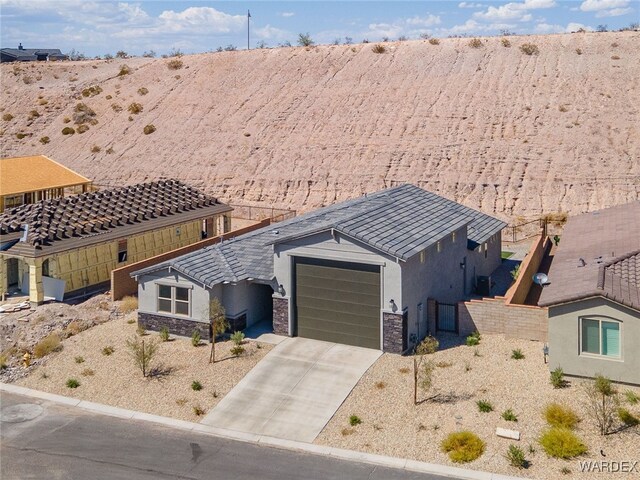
(338, 302)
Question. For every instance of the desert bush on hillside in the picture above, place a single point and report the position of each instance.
(83, 114)
(121, 54)
(579, 51)
(27, 79)
(21, 135)
(475, 43)
(44, 140)
(135, 108)
(143, 91)
(92, 91)
(628, 418)
(82, 128)
(529, 49)
(33, 114)
(463, 446)
(128, 304)
(378, 48)
(434, 41)
(305, 40)
(149, 54)
(95, 149)
(124, 70)
(505, 42)
(149, 129)
(68, 131)
(174, 64)
(50, 343)
(7, 117)
(116, 107)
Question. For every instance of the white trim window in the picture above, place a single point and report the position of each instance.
(600, 337)
(174, 300)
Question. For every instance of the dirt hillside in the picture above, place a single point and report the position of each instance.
(492, 127)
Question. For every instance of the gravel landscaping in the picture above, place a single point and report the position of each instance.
(115, 380)
(393, 425)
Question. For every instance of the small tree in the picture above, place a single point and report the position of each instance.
(121, 54)
(602, 402)
(218, 323)
(423, 371)
(304, 40)
(142, 353)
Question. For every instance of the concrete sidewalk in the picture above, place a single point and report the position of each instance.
(294, 390)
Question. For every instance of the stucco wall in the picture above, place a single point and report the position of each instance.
(478, 265)
(564, 338)
(518, 292)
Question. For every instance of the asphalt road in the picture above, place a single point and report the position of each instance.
(68, 443)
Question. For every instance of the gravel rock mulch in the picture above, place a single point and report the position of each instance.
(392, 425)
(115, 380)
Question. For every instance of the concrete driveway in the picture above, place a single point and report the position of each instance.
(294, 390)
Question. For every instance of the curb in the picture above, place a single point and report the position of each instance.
(381, 460)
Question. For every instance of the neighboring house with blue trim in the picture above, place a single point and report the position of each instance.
(22, 54)
(593, 296)
(358, 272)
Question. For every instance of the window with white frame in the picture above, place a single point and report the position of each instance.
(175, 300)
(599, 336)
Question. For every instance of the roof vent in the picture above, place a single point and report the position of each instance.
(581, 262)
(276, 232)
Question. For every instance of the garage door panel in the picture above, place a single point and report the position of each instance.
(338, 302)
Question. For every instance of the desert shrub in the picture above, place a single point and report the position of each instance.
(381, 385)
(434, 41)
(128, 304)
(529, 49)
(164, 334)
(87, 372)
(43, 101)
(632, 397)
(79, 359)
(196, 386)
(509, 416)
(347, 431)
(515, 272)
(21, 135)
(33, 114)
(558, 415)
(354, 420)
(556, 378)
(121, 54)
(109, 150)
(474, 339)
(142, 353)
(237, 350)
(72, 383)
(50, 343)
(108, 350)
(83, 114)
(82, 128)
(443, 364)
(92, 91)
(237, 338)
(66, 120)
(175, 64)
(95, 149)
(181, 402)
(135, 108)
(149, 129)
(475, 43)
(602, 402)
(198, 410)
(463, 446)
(7, 117)
(195, 338)
(305, 40)
(615, 57)
(428, 346)
(626, 417)
(116, 107)
(561, 443)
(515, 456)
(141, 331)
(579, 51)
(27, 79)
(505, 42)
(124, 70)
(44, 140)
(517, 354)
(563, 108)
(484, 406)
(378, 48)
(143, 90)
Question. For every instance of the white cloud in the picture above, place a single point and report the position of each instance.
(287, 14)
(469, 5)
(411, 27)
(574, 27)
(472, 26)
(268, 32)
(614, 12)
(201, 20)
(518, 11)
(597, 5)
(428, 21)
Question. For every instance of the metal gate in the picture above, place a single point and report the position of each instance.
(447, 317)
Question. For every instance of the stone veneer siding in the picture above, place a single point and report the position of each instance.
(392, 333)
(281, 316)
(183, 327)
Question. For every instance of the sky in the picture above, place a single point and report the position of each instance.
(96, 27)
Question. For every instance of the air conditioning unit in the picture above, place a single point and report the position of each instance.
(483, 285)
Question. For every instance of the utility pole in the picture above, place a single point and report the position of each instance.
(248, 21)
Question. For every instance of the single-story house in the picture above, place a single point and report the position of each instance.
(62, 246)
(593, 295)
(358, 272)
(22, 54)
(34, 178)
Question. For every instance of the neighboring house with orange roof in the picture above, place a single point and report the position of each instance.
(25, 180)
(593, 295)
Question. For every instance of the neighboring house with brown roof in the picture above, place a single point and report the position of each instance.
(70, 244)
(594, 295)
(30, 179)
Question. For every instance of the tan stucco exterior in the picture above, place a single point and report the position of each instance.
(564, 340)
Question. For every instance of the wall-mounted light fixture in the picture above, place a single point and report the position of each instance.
(281, 290)
(392, 305)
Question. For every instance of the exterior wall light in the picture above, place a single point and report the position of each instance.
(281, 290)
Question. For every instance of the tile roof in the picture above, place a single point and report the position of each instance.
(400, 221)
(38, 172)
(598, 255)
(95, 213)
(32, 53)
